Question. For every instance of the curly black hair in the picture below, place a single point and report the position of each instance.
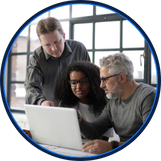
(64, 94)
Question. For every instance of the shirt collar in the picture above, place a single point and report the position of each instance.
(47, 56)
(67, 50)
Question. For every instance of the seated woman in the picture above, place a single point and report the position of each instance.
(79, 88)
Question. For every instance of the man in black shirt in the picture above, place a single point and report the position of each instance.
(49, 60)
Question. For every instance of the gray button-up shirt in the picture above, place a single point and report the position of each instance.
(44, 71)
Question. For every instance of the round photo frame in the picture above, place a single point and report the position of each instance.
(6, 110)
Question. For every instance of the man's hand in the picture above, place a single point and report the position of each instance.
(97, 146)
(47, 103)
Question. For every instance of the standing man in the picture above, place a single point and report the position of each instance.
(49, 60)
(128, 108)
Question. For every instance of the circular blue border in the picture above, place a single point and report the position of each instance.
(71, 3)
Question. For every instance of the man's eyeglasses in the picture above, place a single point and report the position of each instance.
(82, 81)
(105, 79)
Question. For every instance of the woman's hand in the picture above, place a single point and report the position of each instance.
(28, 133)
(80, 120)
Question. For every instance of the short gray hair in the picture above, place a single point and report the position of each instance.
(118, 63)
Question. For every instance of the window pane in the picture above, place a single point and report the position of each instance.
(107, 35)
(17, 96)
(80, 10)
(138, 63)
(101, 10)
(91, 56)
(34, 40)
(153, 71)
(86, 37)
(20, 44)
(65, 26)
(18, 67)
(60, 12)
(99, 55)
(131, 36)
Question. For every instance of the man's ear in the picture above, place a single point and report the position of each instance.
(64, 37)
(122, 77)
(40, 41)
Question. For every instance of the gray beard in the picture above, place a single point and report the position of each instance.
(114, 95)
(117, 91)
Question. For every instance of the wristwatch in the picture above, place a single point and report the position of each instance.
(115, 144)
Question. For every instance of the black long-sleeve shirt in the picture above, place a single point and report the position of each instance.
(44, 70)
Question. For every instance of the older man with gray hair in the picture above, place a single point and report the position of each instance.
(128, 108)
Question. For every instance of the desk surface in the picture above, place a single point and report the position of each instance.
(65, 151)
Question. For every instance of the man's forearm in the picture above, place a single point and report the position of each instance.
(33, 96)
(88, 131)
(120, 143)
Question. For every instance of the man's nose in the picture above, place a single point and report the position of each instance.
(53, 47)
(102, 85)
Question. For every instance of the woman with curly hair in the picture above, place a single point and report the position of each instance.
(79, 87)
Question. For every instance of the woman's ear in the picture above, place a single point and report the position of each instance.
(89, 86)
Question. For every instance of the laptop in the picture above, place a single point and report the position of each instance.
(56, 126)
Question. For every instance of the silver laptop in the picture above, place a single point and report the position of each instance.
(54, 126)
